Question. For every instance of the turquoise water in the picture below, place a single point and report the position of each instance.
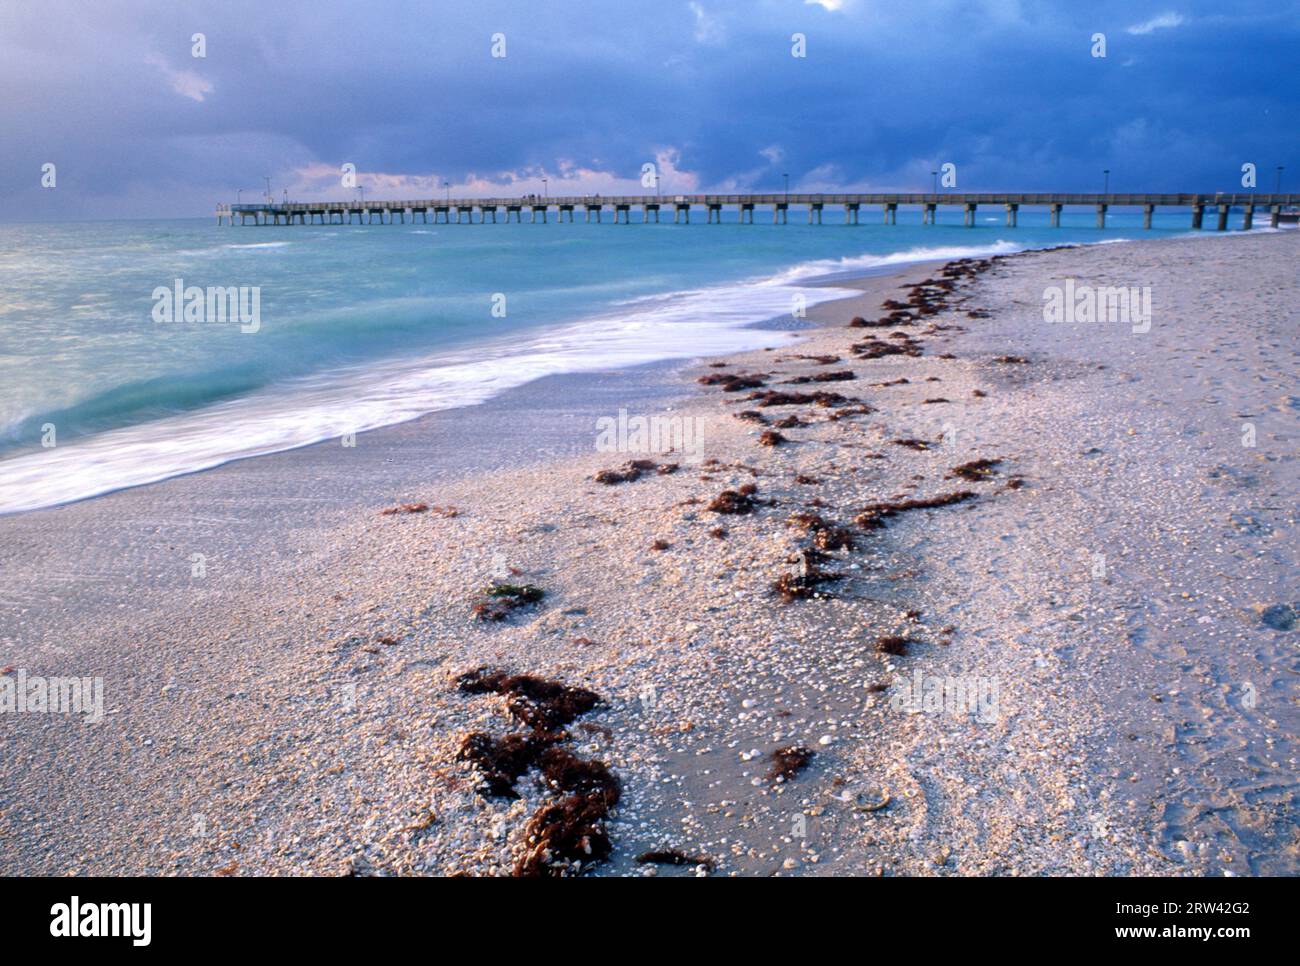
(364, 326)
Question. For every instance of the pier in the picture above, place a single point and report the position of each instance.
(619, 208)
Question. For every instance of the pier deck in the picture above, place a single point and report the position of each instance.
(593, 207)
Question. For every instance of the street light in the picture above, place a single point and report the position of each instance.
(787, 186)
(934, 182)
(546, 192)
(267, 179)
(1277, 190)
(239, 192)
(447, 186)
(1106, 189)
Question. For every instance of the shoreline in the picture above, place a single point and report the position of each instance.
(237, 710)
(107, 446)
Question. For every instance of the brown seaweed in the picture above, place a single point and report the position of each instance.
(975, 469)
(788, 762)
(499, 600)
(874, 515)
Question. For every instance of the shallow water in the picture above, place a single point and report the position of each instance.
(364, 326)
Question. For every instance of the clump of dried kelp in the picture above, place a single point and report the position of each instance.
(568, 834)
(873, 516)
(499, 600)
(788, 762)
(975, 469)
(634, 470)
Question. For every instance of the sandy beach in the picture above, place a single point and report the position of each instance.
(1086, 530)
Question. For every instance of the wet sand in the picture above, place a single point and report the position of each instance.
(1119, 601)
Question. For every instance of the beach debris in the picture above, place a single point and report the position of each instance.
(895, 644)
(630, 471)
(535, 701)
(936, 399)
(752, 416)
(566, 835)
(734, 502)
(978, 393)
(837, 375)
(803, 479)
(826, 535)
(500, 599)
(805, 583)
(867, 802)
(874, 348)
(911, 443)
(501, 761)
(733, 382)
(874, 515)
(788, 762)
(773, 397)
(975, 469)
(771, 437)
(674, 857)
(660, 544)
(405, 508)
(1012, 360)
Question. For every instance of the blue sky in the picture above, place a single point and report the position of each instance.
(588, 92)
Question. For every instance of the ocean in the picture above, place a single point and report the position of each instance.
(368, 325)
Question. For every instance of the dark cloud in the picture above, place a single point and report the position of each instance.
(1008, 91)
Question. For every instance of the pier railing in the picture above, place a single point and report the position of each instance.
(779, 203)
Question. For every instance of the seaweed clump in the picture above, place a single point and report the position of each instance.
(536, 702)
(894, 644)
(806, 583)
(630, 471)
(500, 600)
(568, 834)
(788, 762)
(975, 469)
(736, 502)
(874, 515)
(405, 508)
(733, 382)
